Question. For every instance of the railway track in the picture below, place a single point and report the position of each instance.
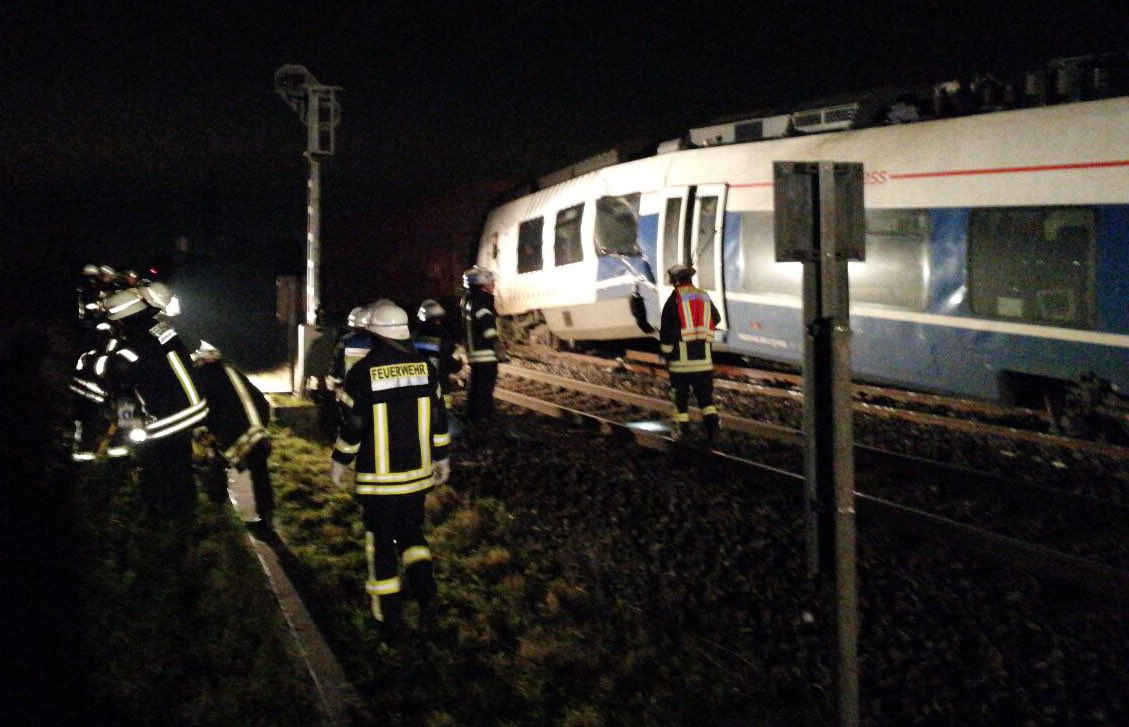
(1023, 525)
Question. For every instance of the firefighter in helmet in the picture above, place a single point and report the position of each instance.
(153, 367)
(238, 415)
(483, 344)
(394, 433)
(689, 318)
(433, 339)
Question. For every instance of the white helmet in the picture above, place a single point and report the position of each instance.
(476, 276)
(206, 352)
(124, 303)
(430, 309)
(160, 296)
(388, 320)
(354, 318)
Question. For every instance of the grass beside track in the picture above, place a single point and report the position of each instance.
(177, 623)
(524, 634)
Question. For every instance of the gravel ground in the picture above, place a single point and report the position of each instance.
(718, 565)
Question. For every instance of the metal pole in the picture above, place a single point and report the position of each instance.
(834, 438)
(313, 239)
(820, 222)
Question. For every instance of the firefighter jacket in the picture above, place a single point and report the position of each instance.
(686, 334)
(394, 426)
(153, 365)
(238, 413)
(435, 342)
(481, 326)
(350, 349)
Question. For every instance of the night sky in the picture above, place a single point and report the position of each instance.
(129, 124)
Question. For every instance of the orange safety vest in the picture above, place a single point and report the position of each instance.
(694, 314)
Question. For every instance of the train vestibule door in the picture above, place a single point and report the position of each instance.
(690, 221)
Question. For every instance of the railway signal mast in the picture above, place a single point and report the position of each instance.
(820, 222)
(318, 109)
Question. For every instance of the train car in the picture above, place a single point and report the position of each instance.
(997, 246)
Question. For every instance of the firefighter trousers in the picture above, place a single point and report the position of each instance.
(394, 535)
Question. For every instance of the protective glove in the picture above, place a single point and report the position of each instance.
(442, 471)
(337, 474)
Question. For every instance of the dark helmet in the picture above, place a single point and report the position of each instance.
(679, 272)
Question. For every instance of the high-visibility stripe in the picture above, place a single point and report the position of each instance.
(178, 422)
(416, 554)
(245, 397)
(183, 376)
(404, 489)
(386, 587)
(690, 367)
(440, 440)
(380, 441)
(423, 431)
(243, 445)
(370, 554)
(395, 477)
(345, 448)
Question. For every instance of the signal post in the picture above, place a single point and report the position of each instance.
(318, 109)
(820, 222)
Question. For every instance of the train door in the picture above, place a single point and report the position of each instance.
(705, 237)
(674, 238)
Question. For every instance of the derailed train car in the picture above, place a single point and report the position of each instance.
(997, 246)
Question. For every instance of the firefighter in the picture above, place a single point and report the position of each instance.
(483, 345)
(394, 432)
(98, 281)
(351, 347)
(433, 339)
(689, 318)
(238, 415)
(151, 366)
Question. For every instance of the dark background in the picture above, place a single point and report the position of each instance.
(130, 126)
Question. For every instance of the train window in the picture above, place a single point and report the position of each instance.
(897, 260)
(617, 225)
(529, 245)
(757, 269)
(707, 231)
(1033, 264)
(566, 245)
(672, 247)
(893, 274)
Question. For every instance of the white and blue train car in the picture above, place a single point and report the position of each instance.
(997, 249)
